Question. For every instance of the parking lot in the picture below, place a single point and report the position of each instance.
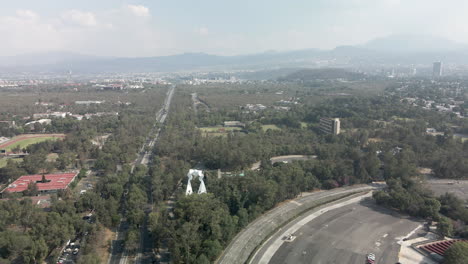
(70, 253)
(86, 183)
(346, 235)
(442, 186)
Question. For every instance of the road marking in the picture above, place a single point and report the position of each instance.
(400, 239)
(385, 235)
(295, 202)
(271, 250)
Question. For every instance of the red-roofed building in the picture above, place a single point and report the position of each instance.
(54, 182)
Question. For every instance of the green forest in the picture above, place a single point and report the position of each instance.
(383, 139)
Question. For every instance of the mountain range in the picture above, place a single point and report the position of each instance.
(396, 49)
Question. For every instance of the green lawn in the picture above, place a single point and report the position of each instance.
(461, 136)
(3, 161)
(216, 131)
(303, 125)
(272, 127)
(218, 128)
(52, 157)
(29, 141)
(402, 119)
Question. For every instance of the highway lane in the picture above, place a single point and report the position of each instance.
(145, 253)
(117, 248)
(284, 159)
(343, 235)
(291, 158)
(118, 254)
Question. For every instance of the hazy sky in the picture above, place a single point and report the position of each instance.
(163, 27)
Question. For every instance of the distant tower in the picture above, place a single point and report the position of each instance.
(437, 69)
(69, 76)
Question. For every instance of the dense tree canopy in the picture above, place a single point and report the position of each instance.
(457, 253)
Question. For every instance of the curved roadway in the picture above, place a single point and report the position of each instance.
(342, 235)
(245, 243)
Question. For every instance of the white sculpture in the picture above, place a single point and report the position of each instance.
(190, 175)
(202, 188)
(189, 190)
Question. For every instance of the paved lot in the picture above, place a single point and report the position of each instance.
(458, 187)
(249, 238)
(346, 235)
(86, 183)
(291, 158)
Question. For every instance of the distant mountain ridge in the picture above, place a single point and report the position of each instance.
(397, 49)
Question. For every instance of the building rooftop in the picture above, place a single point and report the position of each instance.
(55, 182)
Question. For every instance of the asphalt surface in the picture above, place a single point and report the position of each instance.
(243, 245)
(442, 186)
(118, 254)
(146, 254)
(284, 159)
(345, 235)
(291, 158)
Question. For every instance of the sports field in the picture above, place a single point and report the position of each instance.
(219, 129)
(216, 131)
(463, 137)
(272, 127)
(28, 139)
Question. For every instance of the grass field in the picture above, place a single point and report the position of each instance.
(375, 140)
(3, 162)
(52, 157)
(216, 131)
(461, 136)
(219, 129)
(29, 141)
(25, 140)
(272, 127)
(402, 119)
